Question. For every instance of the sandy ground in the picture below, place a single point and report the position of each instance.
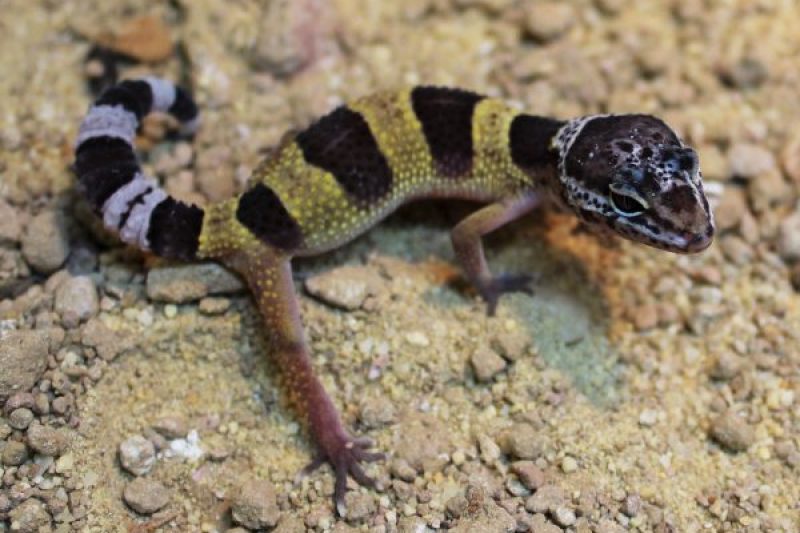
(637, 390)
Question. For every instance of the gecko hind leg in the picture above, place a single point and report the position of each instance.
(269, 275)
(466, 238)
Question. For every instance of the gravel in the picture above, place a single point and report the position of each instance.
(254, 505)
(145, 496)
(44, 243)
(732, 432)
(23, 358)
(137, 455)
(76, 300)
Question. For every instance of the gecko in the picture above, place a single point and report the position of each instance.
(629, 174)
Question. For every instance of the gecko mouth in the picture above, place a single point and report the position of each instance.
(697, 242)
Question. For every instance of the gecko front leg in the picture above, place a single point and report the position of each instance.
(468, 246)
(269, 275)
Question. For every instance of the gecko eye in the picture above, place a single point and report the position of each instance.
(627, 205)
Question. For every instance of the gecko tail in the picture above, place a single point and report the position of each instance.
(131, 203)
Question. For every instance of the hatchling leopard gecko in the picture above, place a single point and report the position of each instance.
(327, 184)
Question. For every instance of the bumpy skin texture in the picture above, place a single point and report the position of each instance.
(628, 173)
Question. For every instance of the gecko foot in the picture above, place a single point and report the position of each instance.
(345, 455)
(502, 284)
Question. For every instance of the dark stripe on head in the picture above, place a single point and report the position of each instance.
(262, 212)
(103, 165)
(174, 230)
(530, 140)
(446, 119)
(183, 108)
(342, 143)
(134, 95)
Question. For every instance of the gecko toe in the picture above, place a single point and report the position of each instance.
(505, 283)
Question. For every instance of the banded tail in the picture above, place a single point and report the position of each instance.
(131, 203)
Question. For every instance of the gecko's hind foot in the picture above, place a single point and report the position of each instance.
(345, 457)
(502, 284)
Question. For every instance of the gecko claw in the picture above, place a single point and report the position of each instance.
(502, 284)
(345, 457)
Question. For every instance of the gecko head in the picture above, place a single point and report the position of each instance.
(633, 175)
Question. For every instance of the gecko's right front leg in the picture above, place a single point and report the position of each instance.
(269, 275)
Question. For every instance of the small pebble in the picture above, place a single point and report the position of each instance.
(790, 158)
(137, 455)
(789, 238)
(632, 505)
(732, 431)
(185, 283)
(529, 474)
(726, 366)
(145, 496)
(254, 505)
(645, 317)
(569, 464)
(377, 412)
(214, 306)
(76, 300)
(564, 516)
(547, 20)
(524, 442)
(14, 453)
(20, 418)
(748, 160)
(731, 208)
(30, 516)
(486, 363)
(648, 417)
(146, 38)
(360, 505)
(44, 243)
(46, 440)
(417, 338)
(19, 399)
(346, 287)
(547, 499)
(171, 427)
(736, 250)
(23, 358)
(10, 225)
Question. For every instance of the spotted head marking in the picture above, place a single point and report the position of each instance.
(633, 175)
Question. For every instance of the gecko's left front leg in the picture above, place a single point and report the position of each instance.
(269, 275)
(466, 237)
